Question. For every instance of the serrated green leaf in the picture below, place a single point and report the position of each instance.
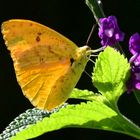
(86, 95)
(111, 72)
(29, 117)
(94, 115)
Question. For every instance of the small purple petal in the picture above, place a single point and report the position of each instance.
(137, 76)
(133, 58)
(119, 36)
(109, 31)
(137, 85)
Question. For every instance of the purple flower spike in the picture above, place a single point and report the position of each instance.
(109, 31)
(134, 81)
(134, 43)
(134, 48)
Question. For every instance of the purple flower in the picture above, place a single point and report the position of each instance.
(134, 81)
(134, 43)
(134, 48)
(109, 31)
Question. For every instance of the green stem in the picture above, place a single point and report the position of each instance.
(129, 127)
(96, 9)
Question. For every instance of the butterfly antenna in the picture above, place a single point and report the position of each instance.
(91, 61)
(87, 74)
(89, 36)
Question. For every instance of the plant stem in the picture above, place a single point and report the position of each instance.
(96, 9)
(129, 127)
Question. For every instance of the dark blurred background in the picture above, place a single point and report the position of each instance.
(73, 19)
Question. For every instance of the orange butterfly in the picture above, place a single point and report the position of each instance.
(47, 64)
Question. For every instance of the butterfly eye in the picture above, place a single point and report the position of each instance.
(71, 61)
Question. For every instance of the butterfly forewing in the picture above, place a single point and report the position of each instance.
(42, 60)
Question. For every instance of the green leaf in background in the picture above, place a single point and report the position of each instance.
(111, 72)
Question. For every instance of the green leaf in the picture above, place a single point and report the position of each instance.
(30, 116)
(82, 94)
(94, 115)
(87, 95)
(111, 72)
